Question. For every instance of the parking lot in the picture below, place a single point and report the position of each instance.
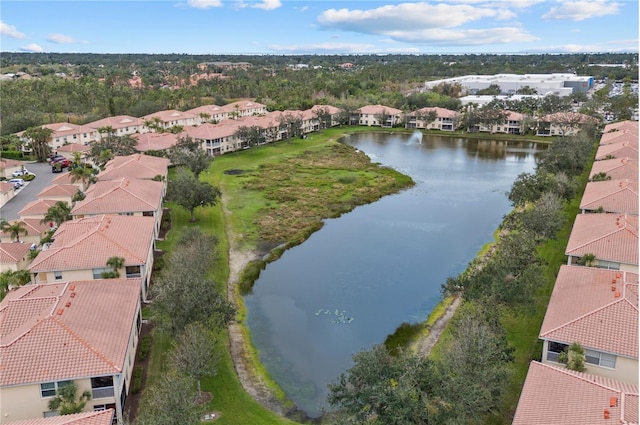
(29, 191)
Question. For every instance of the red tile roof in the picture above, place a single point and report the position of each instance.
(378, 109)
(440, 112)
(104, 417)
(120, 121)
(54, 332)
(88, 243)
(34, 226)
(74, 147)
(626, 135)
(563, 397)
(618, 168)
(618, 150)
(57, 190)
(137, 166)
(614, 196)
(611, 237)
(121, 196)
(155, 141)
(38, 207)
(621, 125)
(583, 308)
(12, 252)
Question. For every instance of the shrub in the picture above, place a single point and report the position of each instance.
(136, 384)
(145, 347)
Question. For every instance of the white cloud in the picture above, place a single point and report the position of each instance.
(61, 39)
(33, 47)
(581, 10)
(447, 37)
(204, 4)
(268, 4)
(10, 31)
(405, 16)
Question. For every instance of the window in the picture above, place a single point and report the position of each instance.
(57, 275)
(97, 273)
(555, 348)
(132, 271)
(126, 213)
(49, 389)
(50, 413)
(102, 387)
(147, 213)
(600, 359)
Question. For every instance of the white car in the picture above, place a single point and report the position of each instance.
(18, 182)
(18, 173)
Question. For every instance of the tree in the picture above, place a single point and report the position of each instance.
(574, 357)
(475, 362)
(39, 138)
(68, 401)
(57, 213)
(545, 217)
(117, 145)
(194, 353)
(382, 118)
(323, 115)
(170, 400)
(196, 160)
(190, 193)
(383, 389)
(10, 279)
(184, 292)
(116, 263)
(83, 174)
(15, 229)
(249, 136)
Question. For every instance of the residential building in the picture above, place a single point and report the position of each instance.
(627, 149)
(243, 108)
(214, 139)
(334, 112)
(619, 136)
(377, 116)
(64, 133)
(84, 332)
(8, 166)
(563, 124)
(156, 141)
(611, 196)
(14, 256)
(209, 114)
(553, 395)
(445, 119)
(611, 238)
(136, 166)
(598, 309)
(36, 209)
(7, 192)
(68, 150)
(620, 126)
(59, 192)
(127, 197)
(99, 417)
(36, 230)
(81, 248)
(121, 125)
(169, 118)
(623, 168)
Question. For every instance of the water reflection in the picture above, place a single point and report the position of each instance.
(353, 282)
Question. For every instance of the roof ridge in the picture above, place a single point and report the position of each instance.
(583, 376)
(85, 343)
(590, 313)
(36, 324)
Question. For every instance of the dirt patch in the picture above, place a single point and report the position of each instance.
(426, 344)
(234, 172)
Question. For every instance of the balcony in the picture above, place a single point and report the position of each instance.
(102, 392)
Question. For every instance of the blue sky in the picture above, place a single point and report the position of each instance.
(319, 27)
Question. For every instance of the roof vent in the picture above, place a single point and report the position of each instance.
(73, 295)
(613, 402)
(60, 312)
(68, 304)
(72, 287)
(606, 413)
(617, 294)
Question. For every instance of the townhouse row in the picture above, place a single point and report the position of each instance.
(594, 302)
(216, 126)
(71, 323)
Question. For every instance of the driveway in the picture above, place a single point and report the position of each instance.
(29, 191)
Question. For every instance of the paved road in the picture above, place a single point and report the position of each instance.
(29, 191)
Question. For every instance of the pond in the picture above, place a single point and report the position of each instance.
(365, 273)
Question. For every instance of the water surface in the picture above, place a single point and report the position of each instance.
(363, 274)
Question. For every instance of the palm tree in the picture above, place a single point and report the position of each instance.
(57, 213)
(67, 399)
(116, 263)
(82, 173)
(39, 138)
(15, 229)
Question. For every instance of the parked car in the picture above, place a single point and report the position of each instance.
(61, 160)
(18, 182)
(22, 172)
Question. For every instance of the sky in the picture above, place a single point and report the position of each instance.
(287, 27)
